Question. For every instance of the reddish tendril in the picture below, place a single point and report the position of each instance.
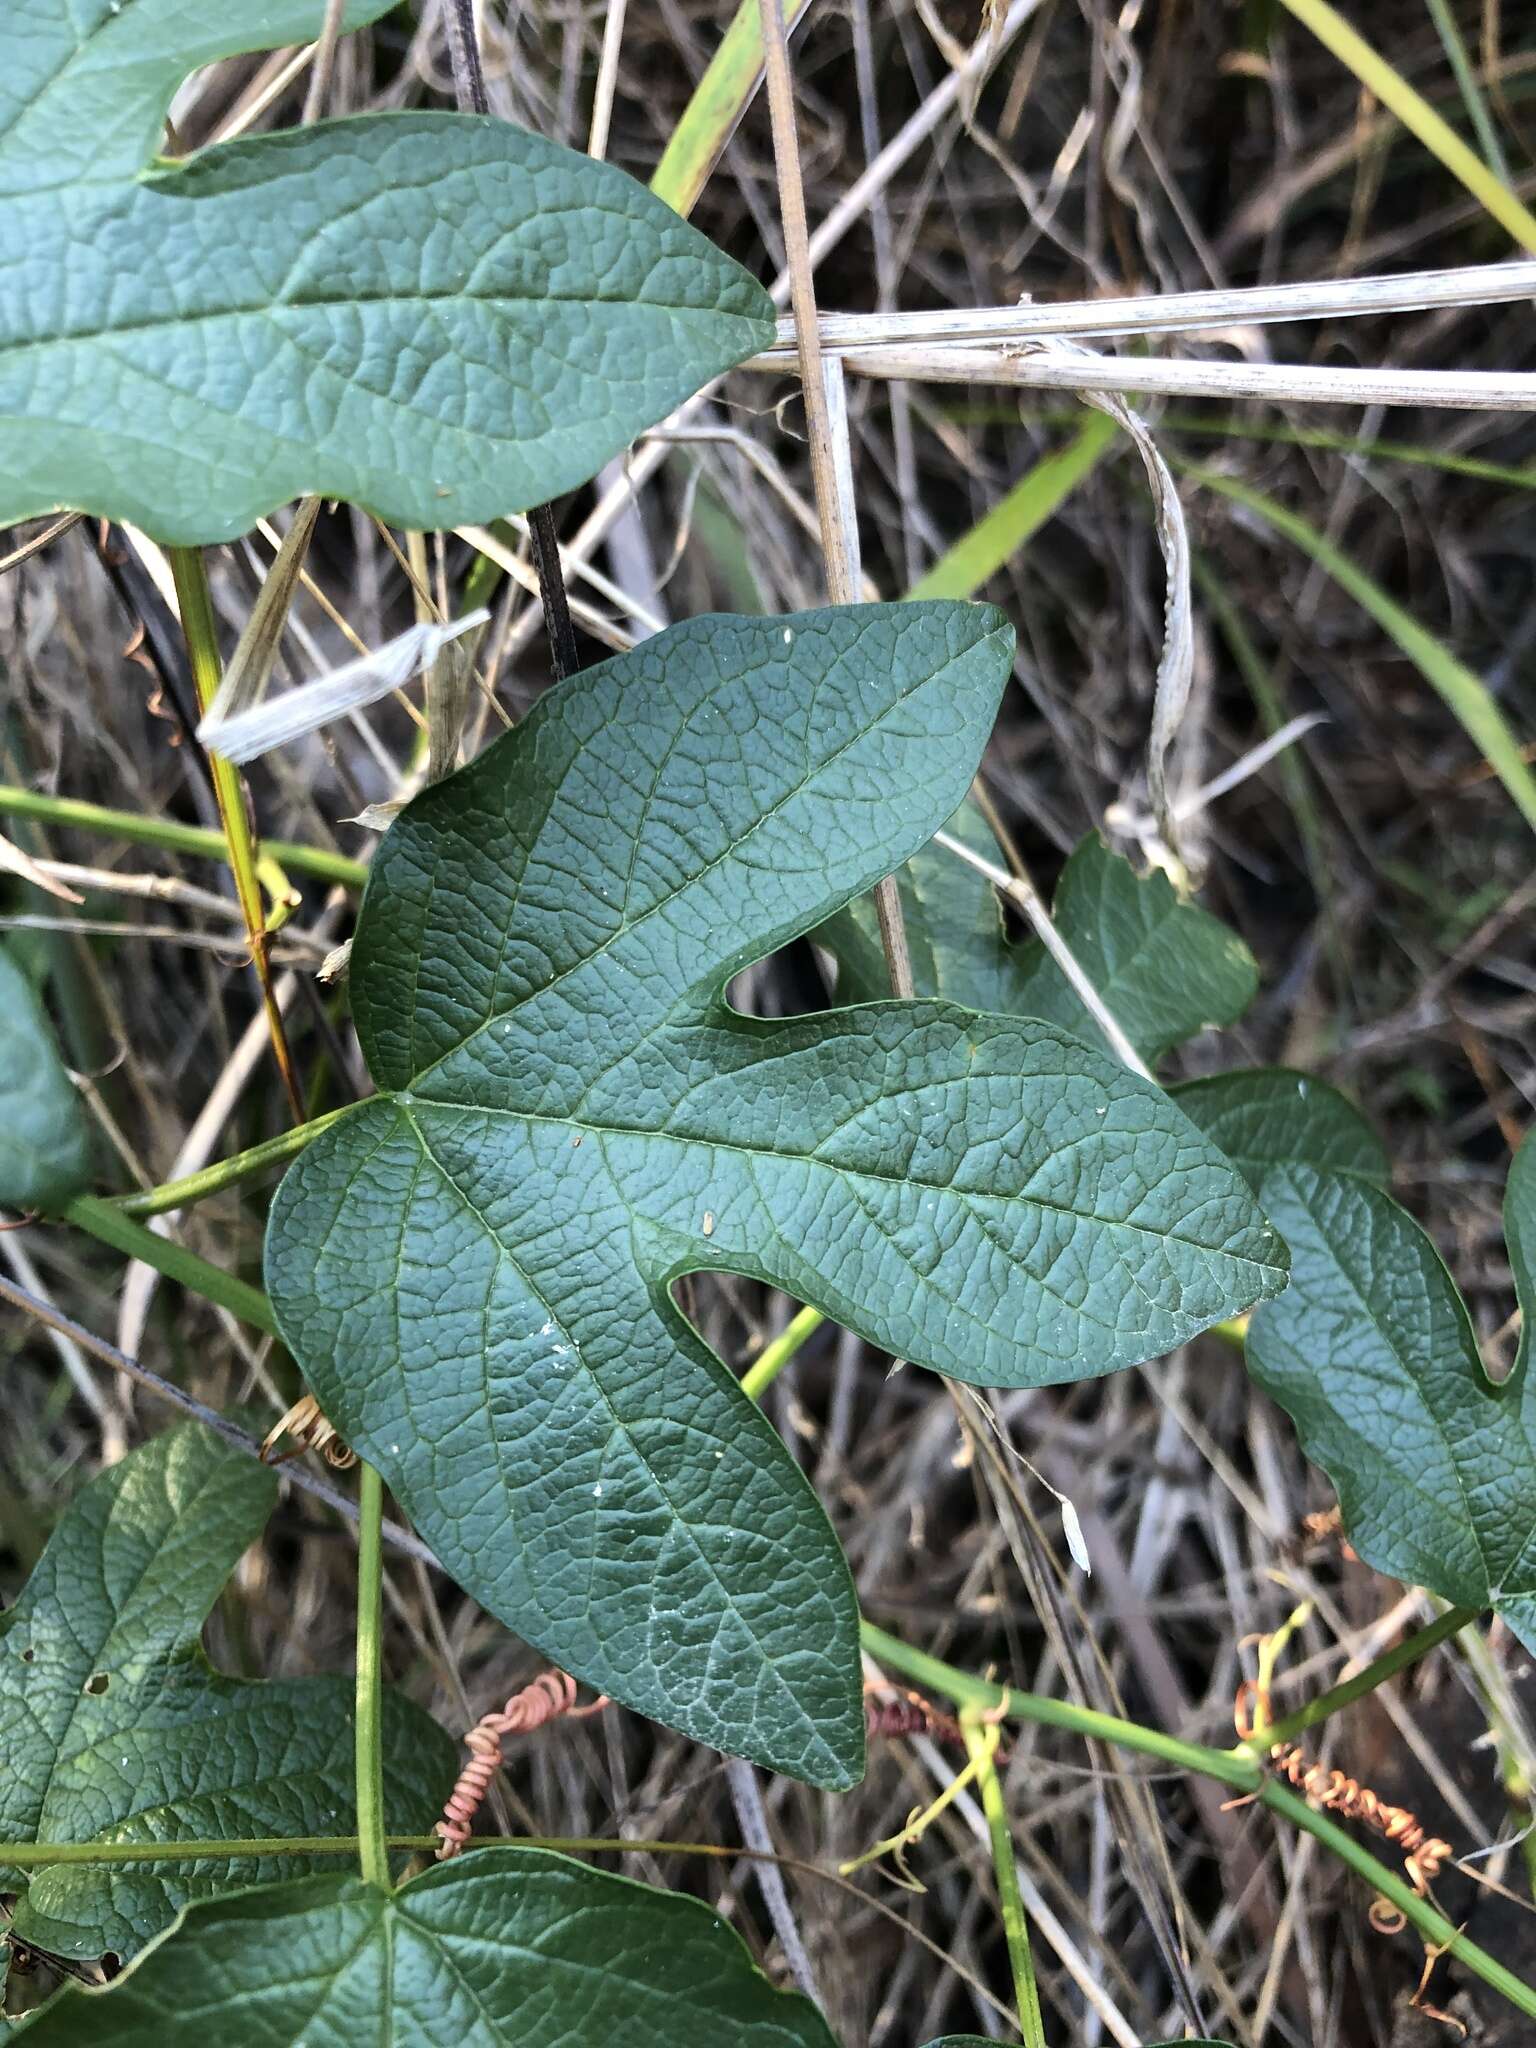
(1424, 1855)
(550, 1697)
(908, 1713)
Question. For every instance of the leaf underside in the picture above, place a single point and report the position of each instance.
(473, 1268)
(115, 1728)
(1165, 969)
(1372, 1353)
(45, 1145)
(438, 316)
(503, 1948)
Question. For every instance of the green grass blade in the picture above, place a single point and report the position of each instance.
(1466, 694)
(1034, 499)
(1467, 85)
(716, 106)
(1417, 116)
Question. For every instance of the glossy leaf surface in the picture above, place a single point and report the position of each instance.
(1165, 969)
(45, 1144)
(504, 1948)
(115, 1728)
(474, 1266)
(441, 317)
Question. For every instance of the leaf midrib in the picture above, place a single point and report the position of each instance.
(394, 301)
(409, 1104)
(621, 1428)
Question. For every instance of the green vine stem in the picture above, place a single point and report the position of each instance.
(1231, 1767)
(195, 600)
(1377, 1672)
(224, 1173)
(771, 1361)
(1235, 1767)
(981, 1742)
(372, 1853)
(105, 1220)
(171, 837)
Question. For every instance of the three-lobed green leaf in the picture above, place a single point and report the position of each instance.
(435, 315)
(474, 1267)
(504, 1948)
(45, 1143)
(1165, 969)
(1372, 1353)
(114, 1727)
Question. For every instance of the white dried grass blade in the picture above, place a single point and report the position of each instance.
(1176, 664)
(1477, 284)
(250, 666)
(1297, 383)
(352, 687)
(14, 861)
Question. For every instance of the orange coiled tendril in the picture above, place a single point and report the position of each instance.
(1424, 1855)
(907, 1713)
(551, 1695)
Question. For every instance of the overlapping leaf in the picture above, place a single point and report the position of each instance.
(506, 1948)
(45, 1145)
(441, 317)
(1165, 969)
(474, 1266)
(115, 1728)
(1372, 1353)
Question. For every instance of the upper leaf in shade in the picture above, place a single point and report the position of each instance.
(114, 1727)
(504, 1948)
(1263, 1117)
(474, 1267)
(1371, 1351)
(45, 1144)
(1165, 969)
(438, 316)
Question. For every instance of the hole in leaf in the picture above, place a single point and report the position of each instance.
(97, 1684)
(27, 1655)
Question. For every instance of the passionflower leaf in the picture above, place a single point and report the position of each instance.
(114, 1727)
(1166, 969)
(45, 1142)
(474, 1267)
(500, 1949)
(1372, 1353)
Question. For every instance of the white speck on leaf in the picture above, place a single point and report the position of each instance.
(597, 1491)
(709, 1222)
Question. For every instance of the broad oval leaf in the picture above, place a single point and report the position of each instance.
(438, 316)
(473, 1267)
(1165, 969)
(1371, 1352)
(45, 1143)
(114, 1727)
(503, 1948)
(1263, 1117)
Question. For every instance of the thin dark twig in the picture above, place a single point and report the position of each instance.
(464, 55)
(557, 611)
(469, 90)
(199, 1411)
